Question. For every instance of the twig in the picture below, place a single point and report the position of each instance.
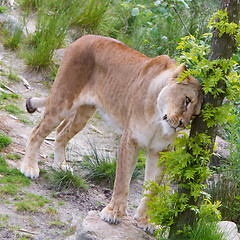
(22, 153)
(9, 89)
(48, 143)
(95, 129)
(181, 20)
(25, 82)
(2, 90)
(50, 139)
(26, 231)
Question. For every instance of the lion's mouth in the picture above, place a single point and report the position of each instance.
(177, 127)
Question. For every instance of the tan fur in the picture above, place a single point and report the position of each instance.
(140, 94)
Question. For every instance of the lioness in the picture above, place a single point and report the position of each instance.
(141, 95)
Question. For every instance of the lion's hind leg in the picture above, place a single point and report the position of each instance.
(67, 130)
(29, 165)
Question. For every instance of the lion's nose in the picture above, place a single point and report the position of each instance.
(165, 117)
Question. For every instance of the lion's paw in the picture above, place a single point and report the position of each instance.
(110, 215)
(64, 167)
(145, 224)
(29, 171)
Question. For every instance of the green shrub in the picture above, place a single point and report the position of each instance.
(2, 9)
(204, 228)
(154, 28)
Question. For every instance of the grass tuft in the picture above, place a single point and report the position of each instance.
(102, 167)
(11, 108)
(4, 142)
(12, 40)
(61, 180)
(31, 203)
(224, 186)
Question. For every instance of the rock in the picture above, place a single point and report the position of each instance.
(58, 55)
(93, 228)
(229, 229)
(11, 23)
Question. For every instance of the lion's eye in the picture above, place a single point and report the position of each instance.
(188, 100)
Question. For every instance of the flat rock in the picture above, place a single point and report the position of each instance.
(229, 230)
(93, 228)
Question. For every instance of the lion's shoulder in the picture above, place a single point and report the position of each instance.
(158, 64)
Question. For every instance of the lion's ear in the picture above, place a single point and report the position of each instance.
(181, 68)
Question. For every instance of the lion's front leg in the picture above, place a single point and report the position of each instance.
(127, 158)
(152, 173)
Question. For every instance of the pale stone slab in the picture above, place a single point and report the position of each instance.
(229, 229)
(93, 228)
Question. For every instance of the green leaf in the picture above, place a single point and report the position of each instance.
(154, 31)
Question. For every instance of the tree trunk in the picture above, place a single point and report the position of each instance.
(221, 47)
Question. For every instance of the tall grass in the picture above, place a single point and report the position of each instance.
(225, 186)
(28, 5)
(54, 19)
(92, 16)
(61, 180)
(50, 33)
(153, 32)
(12, 40)
(101, 166)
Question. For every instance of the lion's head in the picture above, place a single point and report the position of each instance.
(179, 102)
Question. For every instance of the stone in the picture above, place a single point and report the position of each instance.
(229, 229)
(93, 228)
(11, 23)
(58, 55)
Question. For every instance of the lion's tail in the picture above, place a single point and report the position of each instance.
(33, 103)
